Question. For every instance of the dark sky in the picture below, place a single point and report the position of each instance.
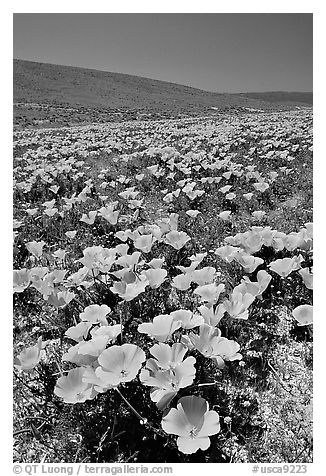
(216, 52)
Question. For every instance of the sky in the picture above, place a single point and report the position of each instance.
(214, 51)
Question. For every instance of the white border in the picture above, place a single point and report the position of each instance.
(319, 186)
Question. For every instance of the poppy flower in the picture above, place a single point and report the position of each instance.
(119, 364)
(168, 357)
(124, 235)
(237, 304)
(273, 175)
(188, 319)
(307, 277)
(161, 328)
(79, 332)
(49, 204)
(303, 314)
(168, 198)
(283, 267)
(156, 263)
(60, 299)
(212, 317)
(192, 194)
(152, 169)
(182, 281)
(253, 241)
(193, 213)
(261, 186)
(128, 291)
(205, 340)
(91, 378)
(272, 237)
(95, 345)
(133, 204)
(38, 272)
(35, 248)
(109, 214)
(31, 211)
(190, 186)
(211, 345)
(54, 188)
(230, 196)
(176, 239)
(227, 252)
(256, 288)
(195, 262)
(60, 254)
(129, 261)
(111, 332)
(198, 257)
(248, 262)
(193, 423)
(204, 276)
(153, 229)
(169, 224)
(95, 314)
(225, 350)
(97, 258)
(126, 276)
(309, 230)
(77, 354)
(82, 196)
(144, 243)
(56, 276)
(176, 193)
(21, 279)
(168, 372)
(45, 286)
(50, 212)
(128, 193)
(248, 196)
(305, 240)
(72, 388)
(225, 189)
(71, 234)
(225, 215)
(155, 277)
(79, 278)
(29, 357)
(210, 292)
(89, 218)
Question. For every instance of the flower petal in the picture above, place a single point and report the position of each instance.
(176, 423)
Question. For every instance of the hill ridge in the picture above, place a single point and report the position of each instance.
(102, 95)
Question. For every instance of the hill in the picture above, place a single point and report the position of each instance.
(282, 97)
(47, 94)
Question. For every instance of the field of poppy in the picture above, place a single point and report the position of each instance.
(163, 290)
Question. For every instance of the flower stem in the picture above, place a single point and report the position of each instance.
(143, 420)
